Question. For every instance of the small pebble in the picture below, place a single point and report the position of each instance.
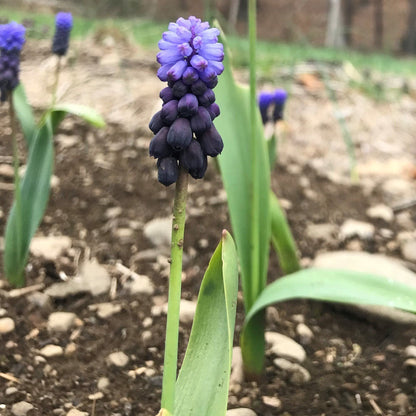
(147, 322)
(11, 390)
(103, 383)
(52, 350)
(117, 359)
(21, 408)
(272, 401)
(96, 396)
(61, 321)
(76, 412)
(6, 325)
(241, 411)
(305, 334)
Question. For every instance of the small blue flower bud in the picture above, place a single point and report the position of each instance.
(169, 112)
(156, 122)
(159, 147)
(179, 89)
(201, 121)
(207, 98)
(212, 83)
(63, 26)
(211, 142)
(180, 134)
(12, 37)
(166, 95)
(190, 76)
(199, 87)
(192, 158)
(188, 105)
(167, 170)
(214, 110)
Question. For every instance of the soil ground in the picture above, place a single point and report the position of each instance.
(356, 365)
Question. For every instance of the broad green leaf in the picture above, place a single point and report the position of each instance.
(282, 238)
(86, 113)
(237, 165)
(25, 218)
(336, 286)
(24, 114)
(202, 385)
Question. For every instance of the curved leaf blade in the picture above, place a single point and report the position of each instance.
(85, 112)
(24, 114)
(202, 385)
(344, 286)
(34, 195)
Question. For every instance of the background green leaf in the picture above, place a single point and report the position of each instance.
(34, 195)
(86, 113)
(336, 286)
(202, 385)
(24, 114)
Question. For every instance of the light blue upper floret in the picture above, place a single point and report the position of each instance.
(12, 37)
(190, 43)
(63, 21)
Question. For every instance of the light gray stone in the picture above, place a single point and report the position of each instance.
(103, 383)
(52, 350)
(377, 264)
(21, 408)
(272, 401)
(159, 231)
(76, 412)
(106, 310)
(7, 325)
(139, 284)
(408, 249)
(11, 390)
(324, 232)
(410, 351)
(398, 190)
(50, 247)
(61, 321)
(40, 299)
(241, 411)
(305, 334)
(353, 228)
(117, 359)
(93, 278)
(381, 212)
(187, 310)
(285, 347)
(298, 374)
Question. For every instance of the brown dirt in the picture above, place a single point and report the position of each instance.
(355, 365)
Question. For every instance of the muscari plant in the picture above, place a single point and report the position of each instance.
(31, 193)
(258, 220)
(184, 135)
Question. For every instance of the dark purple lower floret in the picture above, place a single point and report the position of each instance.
(214, 110)
(179, 89)
(169, 112)
(212, 83)
(166, 95)
(199, 87)
(156, 122)
(201, 121)
(200, 172)
(61, 41)
(159, 147)
(180, 134)
(207, 98)
(9, 73)
(211, 142)
(192, 158)
(188, 105)
(167, 170)
(190, 76)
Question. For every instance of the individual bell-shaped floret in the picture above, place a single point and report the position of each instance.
(190, 76)
(214, 110)
(156, 122)
(159, 147)
(201, 121)
(200, 171)
(169, 112)
(211, 142)
(63, 26)
(166, 95)
(207, 98)
(179, 89)
(188, 105)
(199, 87)
(167, 170)
(180, 134)
(192, 158)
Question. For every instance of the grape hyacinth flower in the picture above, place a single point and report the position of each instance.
(191, 60)
(271, 105)
(63, 26)
(12, 39)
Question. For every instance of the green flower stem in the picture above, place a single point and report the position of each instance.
(17, 196)
(172, 325)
